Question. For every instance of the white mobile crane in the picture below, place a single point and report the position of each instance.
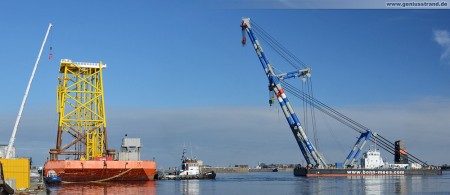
(16, 125)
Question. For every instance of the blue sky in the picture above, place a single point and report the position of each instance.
(177, 73)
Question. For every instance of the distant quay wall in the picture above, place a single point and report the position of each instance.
(246, 169)
(225, 169)
(261, 170)
(286, 170)
(271, 170)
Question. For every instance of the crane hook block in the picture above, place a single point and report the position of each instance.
(50, 55)
(243, 26)
(271, 86)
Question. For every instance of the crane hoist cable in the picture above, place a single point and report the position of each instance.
(305, 108)
(312, 110)
(278, 51)
(360, 128)
(308, 150)
(307, 96)
(50, 55)
(332, 133)
(303, 96)
(277, 47)
(308, 110)
(386, 146)
(382, 142)
(275, 42)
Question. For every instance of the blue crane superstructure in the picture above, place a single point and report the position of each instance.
(309, 151)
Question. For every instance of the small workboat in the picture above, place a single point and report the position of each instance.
(52, 178)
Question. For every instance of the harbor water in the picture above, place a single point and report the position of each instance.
(270, 183)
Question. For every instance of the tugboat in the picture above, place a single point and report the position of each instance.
(52, 178)
(190, 169)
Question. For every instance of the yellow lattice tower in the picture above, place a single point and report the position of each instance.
(81, 109)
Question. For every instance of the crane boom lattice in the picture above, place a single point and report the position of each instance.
(275, 85)
(278, 86)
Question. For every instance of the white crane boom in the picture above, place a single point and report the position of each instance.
(13, 136)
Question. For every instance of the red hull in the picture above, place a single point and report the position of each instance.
(98, 171)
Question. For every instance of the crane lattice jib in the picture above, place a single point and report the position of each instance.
(308, 149)
(81, 109)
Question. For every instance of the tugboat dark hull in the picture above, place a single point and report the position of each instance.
(52, 180)
(208, 175)
(304, 172)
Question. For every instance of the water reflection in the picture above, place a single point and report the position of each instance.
(271, 183)
(148, 187)
(360, 185)
(375, 184)
(190, 187)
(397, 184)
(400, 184)
(417, 183)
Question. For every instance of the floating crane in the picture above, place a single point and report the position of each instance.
(278, 85)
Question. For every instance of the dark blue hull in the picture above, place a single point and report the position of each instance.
(304, 172)
(52, 180)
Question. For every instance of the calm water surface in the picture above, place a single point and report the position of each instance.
(271, 183)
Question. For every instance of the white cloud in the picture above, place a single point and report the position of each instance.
(442, 37)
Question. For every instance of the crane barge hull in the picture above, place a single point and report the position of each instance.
(99, 170)
(305, 172)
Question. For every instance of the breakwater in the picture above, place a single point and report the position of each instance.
(235, 169)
